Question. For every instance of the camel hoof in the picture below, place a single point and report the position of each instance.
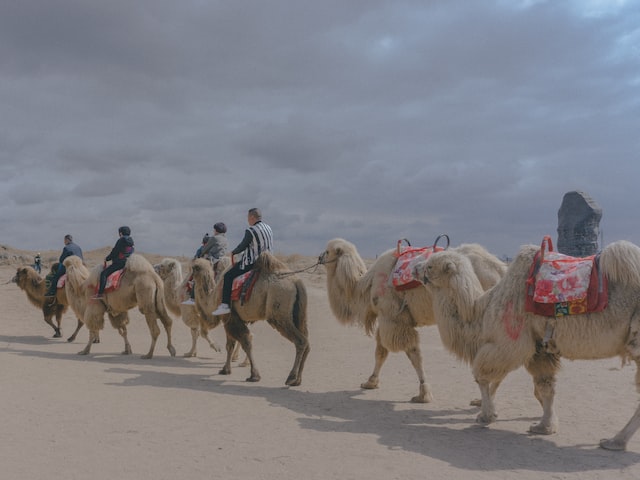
(57, 334)
(612, 444)
(215, 347)
(486, 419)
(190, 354)
(369, 385)
(293, 382)
(144, 357)
(541, 429)
(83, 352)
(255, 378)
(71, 339)
(224, 371)
(476, 402)
(172, 350)
(422, 399)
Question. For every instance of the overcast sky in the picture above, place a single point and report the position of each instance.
(371, 120)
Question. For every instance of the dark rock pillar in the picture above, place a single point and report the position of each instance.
(578, 225)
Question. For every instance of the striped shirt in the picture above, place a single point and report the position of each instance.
(257, 239)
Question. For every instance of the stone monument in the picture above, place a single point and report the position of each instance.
(578, 225)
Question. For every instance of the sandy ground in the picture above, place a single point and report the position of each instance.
(109, 416)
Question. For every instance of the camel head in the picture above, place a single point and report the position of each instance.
(26, 275)
(166, 267)
(335, 249)
(438, 268)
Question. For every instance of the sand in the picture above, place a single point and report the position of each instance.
(111, 416)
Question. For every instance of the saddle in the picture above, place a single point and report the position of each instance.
(559, 285)
(402, 274)
(243, 286)
(113, 281)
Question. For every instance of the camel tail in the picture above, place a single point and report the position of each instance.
(620, 262)
(300, 308)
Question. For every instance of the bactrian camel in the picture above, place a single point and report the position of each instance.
(367, 298)
(140, 286)
(278, 297)
(494, 333)
(35, 287)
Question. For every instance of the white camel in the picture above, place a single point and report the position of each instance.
(366, 298)
(495, 334)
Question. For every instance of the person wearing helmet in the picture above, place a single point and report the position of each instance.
(69, 249)
(213, 249)
(118, 257)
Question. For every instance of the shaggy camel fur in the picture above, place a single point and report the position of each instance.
(278, 297)
(493, 332)
(34, 286)
(208, 292)
(175, 292)
(139, 286)
(365, 297)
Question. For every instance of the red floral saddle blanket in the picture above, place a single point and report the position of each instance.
(402, 274)
(113, 281)
(560, 285)
(243, 286)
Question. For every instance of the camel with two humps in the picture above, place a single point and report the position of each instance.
(495, 334)
(176, 290)
(28, 280)
(278, 297)
(365, 297)
(140, 286)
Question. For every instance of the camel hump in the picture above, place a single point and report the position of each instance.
(268, 263)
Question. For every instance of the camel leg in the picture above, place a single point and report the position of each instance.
(122, 330)
(288, 330)
(194, 339)
(619, 442)
(75, 333)
(93, 335)
(415, 357)
(230, 346)
(167, 323)
(48, 318)
(487, 373)
(205, 334)
(58, 328)
(493, 387)
(381, 355)
(543, 367)
(237, 330)
(154, 330)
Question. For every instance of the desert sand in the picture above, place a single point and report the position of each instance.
(110, 416)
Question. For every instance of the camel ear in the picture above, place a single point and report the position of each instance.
(449, 267)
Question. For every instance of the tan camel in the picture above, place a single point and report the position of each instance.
(208, 291)
(35, 287)
(139, 286)
(366, 298)
(278, 297)
(175, 292)
(493, 332)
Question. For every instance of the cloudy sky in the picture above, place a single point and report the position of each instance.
(371, 120)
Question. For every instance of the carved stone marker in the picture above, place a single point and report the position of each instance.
(578, 225)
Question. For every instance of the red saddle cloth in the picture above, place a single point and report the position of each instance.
(560, 285)
(402, 274)
(243, 286)
(113, 281)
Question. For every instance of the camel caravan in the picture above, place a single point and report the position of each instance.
(496, 317)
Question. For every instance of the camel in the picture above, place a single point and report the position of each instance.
(28, 279)
(366, 298)
(208, 291)
(277, 296)
(175, 292)
(139, 286)
(494, 334)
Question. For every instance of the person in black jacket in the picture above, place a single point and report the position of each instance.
(118, 257)
(69, 249)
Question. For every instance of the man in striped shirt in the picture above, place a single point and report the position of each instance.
(258, 238)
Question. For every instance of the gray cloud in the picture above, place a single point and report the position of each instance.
(369, 120)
